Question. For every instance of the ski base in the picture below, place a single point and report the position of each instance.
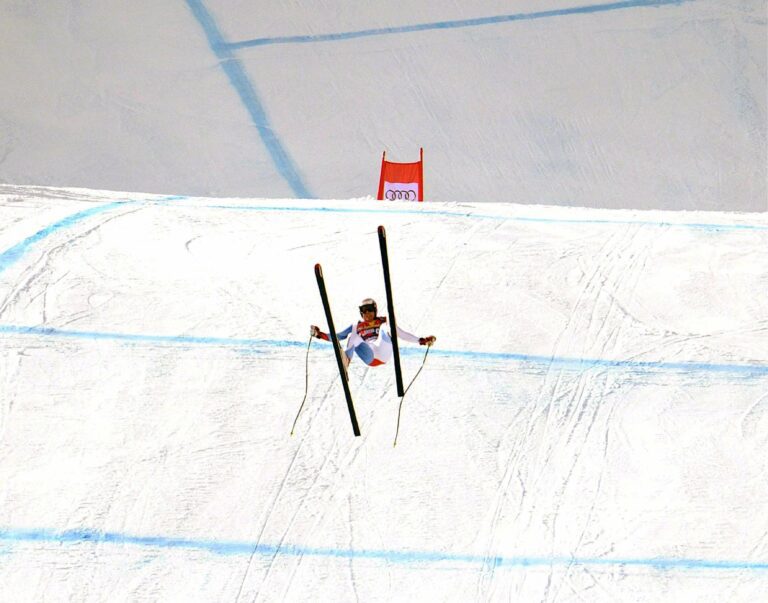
(336, 348)
(391, 311)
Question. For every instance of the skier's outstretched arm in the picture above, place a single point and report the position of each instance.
(316, 332)
(402, 334)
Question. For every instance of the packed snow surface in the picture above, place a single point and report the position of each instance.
(592, 423)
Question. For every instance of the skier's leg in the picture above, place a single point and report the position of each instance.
(357, 345)
(365, 352)
(353, 341)
(372, 353)
(382, 349)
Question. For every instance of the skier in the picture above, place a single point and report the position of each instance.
(368, 339)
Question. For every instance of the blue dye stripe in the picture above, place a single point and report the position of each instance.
(245, 90)
(216, 547)
(421, 209)
(578, 364)
(435, 212)
(15, 253)
(151, 339)
(443, 25)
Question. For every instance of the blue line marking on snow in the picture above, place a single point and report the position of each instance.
(582, 364)
(14, 254)
(470, 215)
(151, 339)
(216, 547)
(386, 209)
(579, 364)
(457, 24)
(245, 90)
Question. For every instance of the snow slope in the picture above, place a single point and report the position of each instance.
(593, 421)
(591, 425)
(637, 103)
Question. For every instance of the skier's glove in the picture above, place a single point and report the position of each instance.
(316, 332)
(427, 340)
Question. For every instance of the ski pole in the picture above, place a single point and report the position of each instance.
(400, 408)
(306, 385)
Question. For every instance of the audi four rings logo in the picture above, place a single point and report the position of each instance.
(393, 194)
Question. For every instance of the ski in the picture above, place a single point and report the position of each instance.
(391, 310)
(336, 347)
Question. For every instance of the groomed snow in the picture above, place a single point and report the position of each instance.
(592, 423)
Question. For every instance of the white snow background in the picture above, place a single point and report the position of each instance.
(592, 424)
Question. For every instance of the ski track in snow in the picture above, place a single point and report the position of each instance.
(554, 433)
(564, 403)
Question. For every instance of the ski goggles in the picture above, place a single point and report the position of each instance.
(367, 308)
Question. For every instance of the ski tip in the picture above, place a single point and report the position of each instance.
(318, 269)
(382, 232)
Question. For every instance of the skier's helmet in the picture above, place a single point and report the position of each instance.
(367, 305)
